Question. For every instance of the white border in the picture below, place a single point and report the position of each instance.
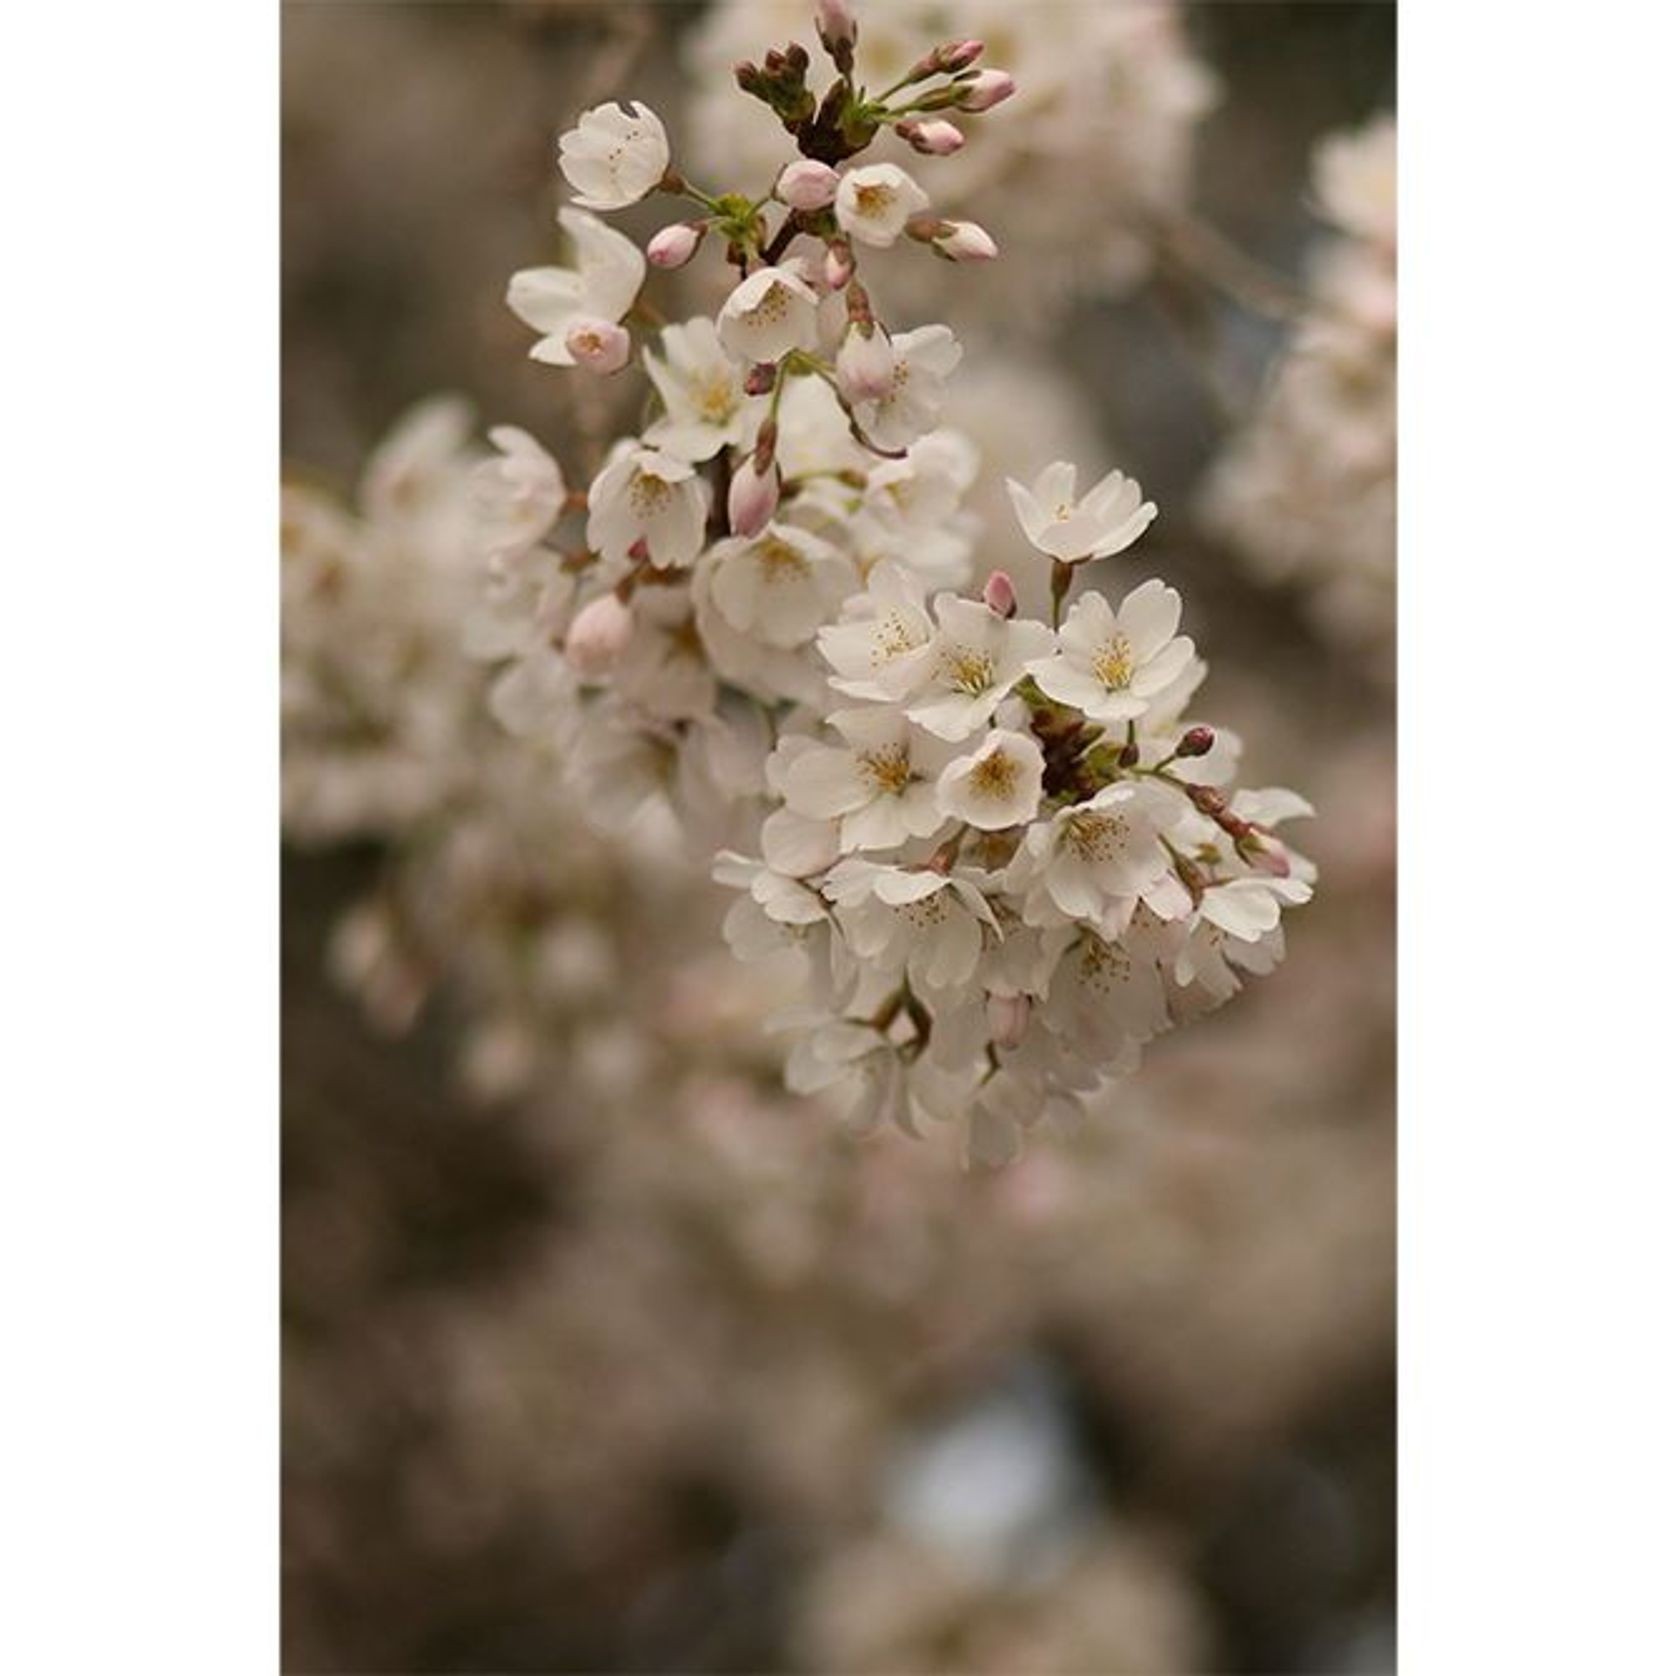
(1536, 547)
(140, 849)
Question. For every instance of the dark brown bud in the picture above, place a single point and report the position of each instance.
(1129, 755)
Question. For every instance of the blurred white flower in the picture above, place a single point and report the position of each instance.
(927, 924)
(705, 407)
(518, 493)
(646, 496)
(1305, 491)
(598, 636)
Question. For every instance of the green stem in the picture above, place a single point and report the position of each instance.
(1062, 573)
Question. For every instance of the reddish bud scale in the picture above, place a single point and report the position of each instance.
(1195, 742)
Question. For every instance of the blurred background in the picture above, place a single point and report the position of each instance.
(602, 1353)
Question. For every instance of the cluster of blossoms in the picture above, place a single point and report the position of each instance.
(1003, 854)
(491, 886)
(1108, 106)
(1306, 492)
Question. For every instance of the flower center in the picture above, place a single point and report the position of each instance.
(1113, 664)
(1104, 966)
(887, 768)
(893, 637)
(647, 495)
(926, 913)
(874, 201)
(995, 776)
(779, 561)
(715, 399)
(968, 669)
(1093, 837)
(771, 308)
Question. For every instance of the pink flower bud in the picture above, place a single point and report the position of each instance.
(1009, 1018)
(998, 594)
(932, 137)
(962, 55)
(986, 90)
(838, 267)
(601, 346)
(1264, 858)
(752, 497)
(835, 22)
(806, 184)
(1195, 742)
(598, 635)
(965, 241)
(674, 245)
(866, 364)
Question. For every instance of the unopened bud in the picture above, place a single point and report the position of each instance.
(1129, 755)
(986, 90)
(998, 594)
(965, 241)
(933, 138)
(760, 379)
(807, 184)
(752, 497)
(960, 55)
(1265, 859)
(598, 635)
(1009, 1018)
(601, 346)
(1207, 800)
(835, 23)
(1195, 742)
(866, 364)
(838, 266)
(674, 246)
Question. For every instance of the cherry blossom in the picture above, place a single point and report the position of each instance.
(1110, 517)
(576, 308)
(1110, 664)
(615, 155)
